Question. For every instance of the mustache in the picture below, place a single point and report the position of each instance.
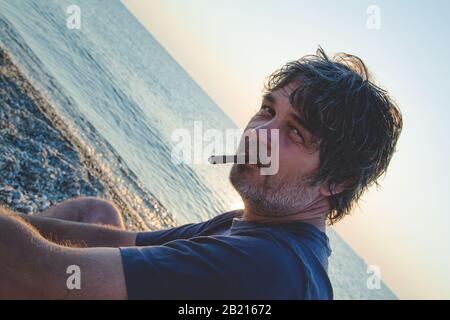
(252, 150)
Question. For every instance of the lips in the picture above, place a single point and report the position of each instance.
(247, 153)
(258, 163)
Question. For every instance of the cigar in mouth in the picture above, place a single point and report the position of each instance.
(226, 159)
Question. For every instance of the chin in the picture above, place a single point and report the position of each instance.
(244, 177)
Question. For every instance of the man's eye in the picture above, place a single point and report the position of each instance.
(266, 110)
(296, 134)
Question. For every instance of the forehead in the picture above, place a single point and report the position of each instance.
(281, 96)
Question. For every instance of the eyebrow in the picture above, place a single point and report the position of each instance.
(271, 98)
(299, 120)
(295, 116)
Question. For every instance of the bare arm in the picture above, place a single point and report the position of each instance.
(35, 268)
(80, 234)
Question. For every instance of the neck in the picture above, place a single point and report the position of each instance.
(315, 213)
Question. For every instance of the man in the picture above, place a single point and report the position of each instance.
(337, 132)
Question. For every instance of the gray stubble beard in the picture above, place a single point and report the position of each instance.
(274, 197)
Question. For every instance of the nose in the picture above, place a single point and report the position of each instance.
(263, 132)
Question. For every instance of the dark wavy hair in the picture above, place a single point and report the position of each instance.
(356, 123)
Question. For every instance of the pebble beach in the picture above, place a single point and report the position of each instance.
(42, 162)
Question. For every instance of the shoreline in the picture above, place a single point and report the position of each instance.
(43, 161)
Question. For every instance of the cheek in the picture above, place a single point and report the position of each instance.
(295, 160)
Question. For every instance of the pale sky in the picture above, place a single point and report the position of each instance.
(229, 47)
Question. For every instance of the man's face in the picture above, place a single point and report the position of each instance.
(287, 191)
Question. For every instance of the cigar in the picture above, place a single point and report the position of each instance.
(226, 159)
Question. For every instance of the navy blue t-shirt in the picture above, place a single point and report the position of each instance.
(229, 258)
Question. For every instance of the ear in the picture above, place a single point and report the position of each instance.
(328, 190)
